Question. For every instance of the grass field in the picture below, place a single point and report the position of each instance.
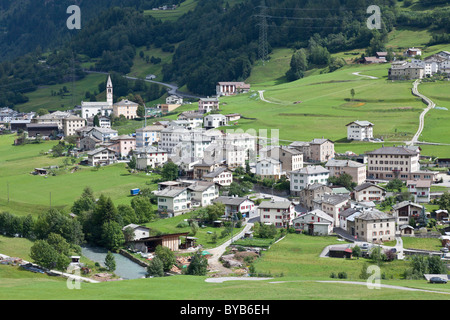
(42, 97)
(29, 194)
(172, 15)
(297, 257)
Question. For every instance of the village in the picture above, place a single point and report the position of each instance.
(323, 192)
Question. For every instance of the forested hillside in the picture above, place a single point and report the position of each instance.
(218, 40)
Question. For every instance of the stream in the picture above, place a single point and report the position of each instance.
(125, 268)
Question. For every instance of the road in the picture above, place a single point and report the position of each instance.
(430, 104)
(172, 88)
(361, 75)
(217, 252)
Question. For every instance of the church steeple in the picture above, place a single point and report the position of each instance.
(109, 92)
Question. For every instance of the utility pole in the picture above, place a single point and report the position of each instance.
(263, 43)
(7, 187)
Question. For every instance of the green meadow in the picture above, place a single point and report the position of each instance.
(42, 97)
(30, 194)
(172, 15)
(294, 263)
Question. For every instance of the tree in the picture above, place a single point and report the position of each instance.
(352, 92)
(215, 211)
(356, 251)
(395, 184)
(344, 180)
(44, 255)
(170, 171)
(96, 121)
(86, 202)
(444, 201)
(132, 163)
(110, 262)
(58, 150)
(166, 256)
(143, 209)
(155, 268)
(198, 265)
(112, 236)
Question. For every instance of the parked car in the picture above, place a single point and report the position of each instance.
(437, 280)
(444, 249)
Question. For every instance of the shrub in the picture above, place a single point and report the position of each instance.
(183, 224)
(342, 275)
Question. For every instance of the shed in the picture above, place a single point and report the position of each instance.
(340, 252)
(218, 223)
(135, 192)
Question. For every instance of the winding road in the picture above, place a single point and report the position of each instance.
(431, 105)
(172, 88)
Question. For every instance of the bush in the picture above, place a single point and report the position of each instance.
(183, 224)
(342, 275)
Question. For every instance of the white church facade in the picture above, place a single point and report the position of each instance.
(105, 108)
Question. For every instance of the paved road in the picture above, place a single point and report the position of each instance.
(430, 104)
(173, 89)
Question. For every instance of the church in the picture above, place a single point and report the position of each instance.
(91, 109)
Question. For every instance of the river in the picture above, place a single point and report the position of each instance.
(125, 268)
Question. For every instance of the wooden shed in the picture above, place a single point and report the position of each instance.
(171, 241)
(340, 252)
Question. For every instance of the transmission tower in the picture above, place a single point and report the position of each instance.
(263, 43)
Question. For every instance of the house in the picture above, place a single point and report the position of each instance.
(245, 140)
(101, 156)
(221, 176)
(233, 117)
(291, 159)
(213, 121)
(42, 130)
(123, 145)
(125, 108)
(401, 162)
(441, 215)
(332, 204)
(139, 232)
(148, 135)
(360, 130)
(174, 99)
(347, 219)
(168, 108)
(301, 178)
(358, 171)
(232, 156)
(413, 52)
(171, 137)
(203, 193)
(279, 213)
(315, 222)
(194, 119)
(370, 60)
(150, 157)
(406, 210)
(103, 134)
(369, 192)
(104, 122)
(420, 189)
(316, 150)
(403, 70)
(375, 226)
(203, 168)
(174, 201)
(88, 143)
(311, 192)
(206, 105)
(231, 88)
(268, 168)
(56, 117)
(236, 204)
